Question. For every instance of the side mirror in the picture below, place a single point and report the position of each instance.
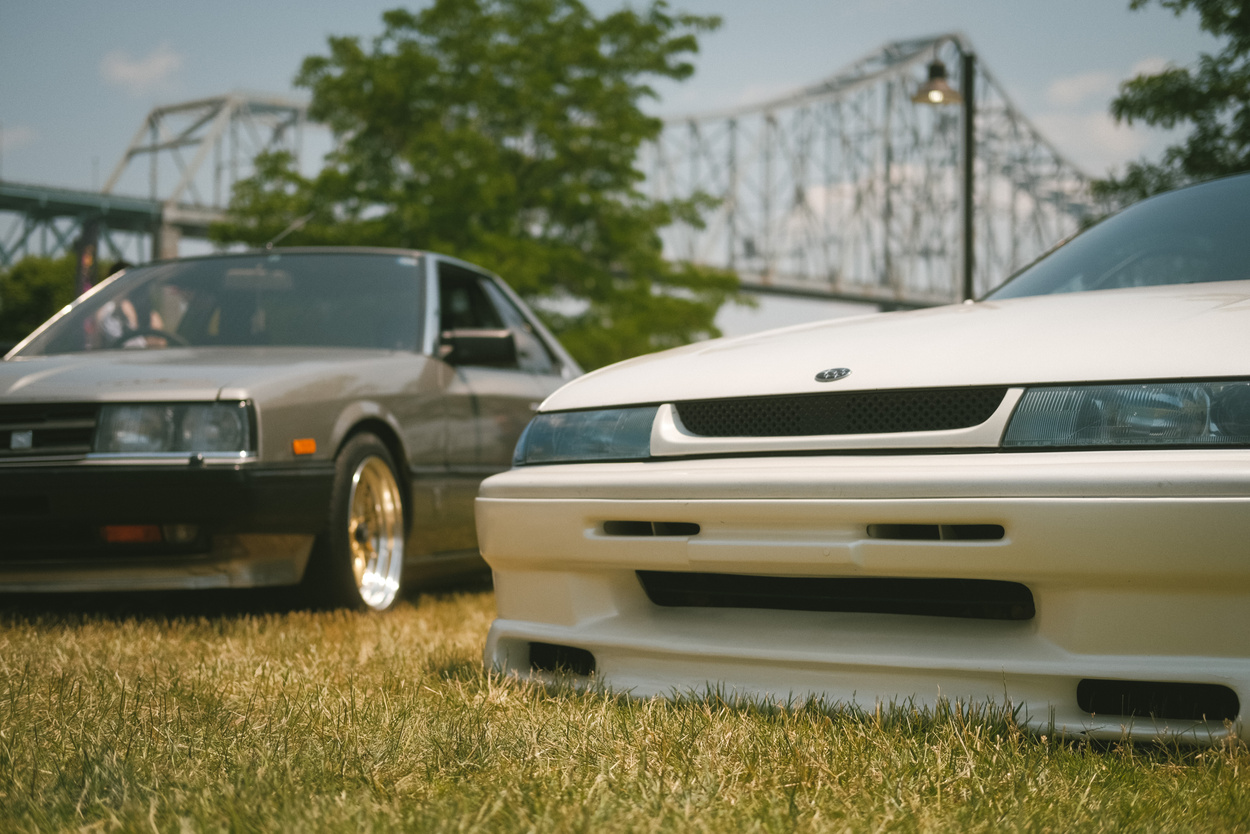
(492, 348)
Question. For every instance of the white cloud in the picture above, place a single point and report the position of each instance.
(139, 76)
(1093, 140)
(1079, 89)
(1149, 66)
(1081, 127)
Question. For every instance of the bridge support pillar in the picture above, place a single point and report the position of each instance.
(167, 238)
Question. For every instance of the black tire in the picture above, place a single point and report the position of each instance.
(358, 562)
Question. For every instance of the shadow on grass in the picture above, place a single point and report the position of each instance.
(166, 605)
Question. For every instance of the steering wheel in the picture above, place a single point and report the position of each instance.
(172, 338)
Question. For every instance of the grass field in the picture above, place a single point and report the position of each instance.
(165, 721)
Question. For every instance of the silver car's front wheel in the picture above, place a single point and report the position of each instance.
(375, 532)
(359, 561)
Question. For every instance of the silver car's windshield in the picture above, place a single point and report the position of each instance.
(324, 299)
(1189, 236)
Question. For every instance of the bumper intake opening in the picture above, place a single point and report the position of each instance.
(650, 528)
(1158, 699)
(552, 657)
(976, 599)
(937, 532)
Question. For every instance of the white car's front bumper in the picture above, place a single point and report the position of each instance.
(1138, 563)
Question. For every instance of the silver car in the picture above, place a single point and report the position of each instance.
(309, 417)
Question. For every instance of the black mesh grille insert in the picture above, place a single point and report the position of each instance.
(977, 599)
(854, 412)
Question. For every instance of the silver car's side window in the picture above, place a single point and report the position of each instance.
(532, 353)
(463, 303)
(471, 301)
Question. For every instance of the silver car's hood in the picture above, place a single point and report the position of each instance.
(176, 374)
(1171, 332)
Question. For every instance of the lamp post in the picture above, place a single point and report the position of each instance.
(936, 91)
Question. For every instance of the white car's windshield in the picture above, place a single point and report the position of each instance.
(1189, 236)
(325, 299)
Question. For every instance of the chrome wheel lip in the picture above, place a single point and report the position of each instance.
(375, 532)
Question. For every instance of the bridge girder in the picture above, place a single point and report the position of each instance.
(843, 189)
(38, 220)
(232, 129)
(848, 189)
(195, 152)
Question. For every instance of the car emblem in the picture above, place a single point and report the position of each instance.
(833, 374)
(22, 439)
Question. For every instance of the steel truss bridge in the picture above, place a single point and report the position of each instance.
(845, 189)
(185, 158)
(849, 189)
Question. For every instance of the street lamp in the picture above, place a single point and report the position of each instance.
(937, 91)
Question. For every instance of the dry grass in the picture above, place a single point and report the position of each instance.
(335, 721)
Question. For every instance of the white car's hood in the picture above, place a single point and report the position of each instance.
(1171, 332)
(176, 374)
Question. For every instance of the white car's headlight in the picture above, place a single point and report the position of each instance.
(566, 436)
(158, 428)
(1132, 414)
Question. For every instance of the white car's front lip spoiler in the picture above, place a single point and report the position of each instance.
(1137, 562)
(785, 660)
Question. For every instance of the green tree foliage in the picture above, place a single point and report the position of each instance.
(31, 291)
(505, 132)
(1213, 98)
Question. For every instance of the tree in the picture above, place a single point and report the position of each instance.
(505, 132)
(31, 291)
(1213, 97)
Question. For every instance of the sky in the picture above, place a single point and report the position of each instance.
(77, 77)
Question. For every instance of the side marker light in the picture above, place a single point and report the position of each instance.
(304, 446)
(131, 533)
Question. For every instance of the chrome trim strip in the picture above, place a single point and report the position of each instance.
(171, 456)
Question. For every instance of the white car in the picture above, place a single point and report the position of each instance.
(1041, 499)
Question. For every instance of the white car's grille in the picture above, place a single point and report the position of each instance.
(46, 429)
(852, 412)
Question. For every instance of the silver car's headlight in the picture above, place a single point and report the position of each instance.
(1132, 414)
(566, 436)
(159, 428)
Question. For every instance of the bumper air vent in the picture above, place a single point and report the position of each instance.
(552, 657)
(46, 429)
(937, 532)
(974, 599)
(650, 528)
(854, 412)
(1158, 699)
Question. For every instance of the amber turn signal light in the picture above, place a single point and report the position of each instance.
(131, 533)
(304, 446)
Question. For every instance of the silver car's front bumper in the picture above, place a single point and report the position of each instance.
(1137, 562)
(221, 525)
(233, 561)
